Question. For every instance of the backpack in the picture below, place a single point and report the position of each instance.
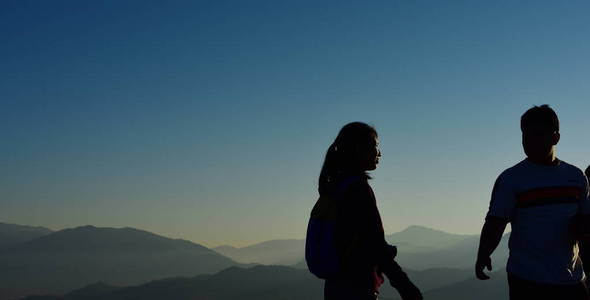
(321, 253)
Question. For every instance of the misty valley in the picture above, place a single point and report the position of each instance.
(125, 263)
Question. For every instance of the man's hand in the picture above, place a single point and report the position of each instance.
(491, 234)
(480, 264)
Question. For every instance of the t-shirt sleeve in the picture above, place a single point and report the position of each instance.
(503, 199)
(585, 198)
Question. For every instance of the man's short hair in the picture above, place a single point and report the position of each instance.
(542, 117)
(588, 172)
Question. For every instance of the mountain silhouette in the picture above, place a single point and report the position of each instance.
(274, 252)
(116, 263)
(418, 239)
(414, 240)
(259, 283)
(422, 248)
(459, 254)
(12, 234)
(71, 258)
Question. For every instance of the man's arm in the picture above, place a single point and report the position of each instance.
(491, 234)
(584, 253)
(584, 219)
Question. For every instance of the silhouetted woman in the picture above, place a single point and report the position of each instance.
(363, 253)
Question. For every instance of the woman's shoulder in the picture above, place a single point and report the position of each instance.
(357, 194)
(353, 181)
(355, 186)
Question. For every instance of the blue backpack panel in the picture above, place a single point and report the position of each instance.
(321, 253)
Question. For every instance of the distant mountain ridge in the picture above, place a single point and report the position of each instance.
(460, 256)
(414, 239)
(91, 238)
(70, 258)
(273, 252)
(120, 260)
(419, 239)
(419, 248)
(12, 234)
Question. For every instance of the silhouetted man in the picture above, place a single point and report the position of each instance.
(539, 196)
(587, 172)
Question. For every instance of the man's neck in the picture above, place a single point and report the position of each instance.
(550, 160)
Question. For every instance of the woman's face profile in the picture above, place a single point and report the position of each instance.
(369, 155)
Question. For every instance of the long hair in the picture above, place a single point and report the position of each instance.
(342, 155)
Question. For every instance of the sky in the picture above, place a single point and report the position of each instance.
(209, 120)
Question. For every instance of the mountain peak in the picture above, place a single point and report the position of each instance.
(92, 238)
(421, 239)
(120, 256)
(420, 228)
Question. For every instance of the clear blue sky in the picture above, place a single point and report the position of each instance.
(208, 120)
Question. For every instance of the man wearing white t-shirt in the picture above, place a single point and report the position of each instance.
(539, 196)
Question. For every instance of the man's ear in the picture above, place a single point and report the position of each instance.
(556, 137)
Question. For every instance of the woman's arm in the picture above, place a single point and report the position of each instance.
(375, 249)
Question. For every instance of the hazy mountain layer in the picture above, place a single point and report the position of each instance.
(460, 255)
(275, 252)
(71, 258)
(421, 248)
(414, 240)
(68, 259)
(419, 239)
(12, 234)
(277, 282)
(260, 282)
